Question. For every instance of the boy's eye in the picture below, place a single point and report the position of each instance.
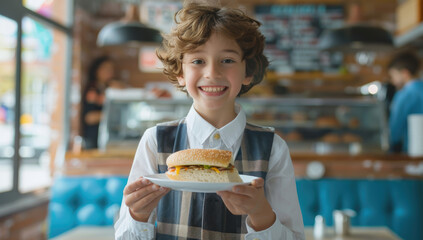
(228, 60)
(198, 61)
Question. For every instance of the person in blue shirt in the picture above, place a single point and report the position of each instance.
(403, 70)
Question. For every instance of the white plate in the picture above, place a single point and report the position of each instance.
(164, 181)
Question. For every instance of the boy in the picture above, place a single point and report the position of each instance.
(403, 70)
(214, 54)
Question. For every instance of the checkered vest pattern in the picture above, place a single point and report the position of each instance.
(187, 215)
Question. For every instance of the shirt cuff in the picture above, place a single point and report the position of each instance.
(132, 229)
(276, 231)
(144, 230)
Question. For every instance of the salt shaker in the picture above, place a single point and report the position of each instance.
(319, 227)
(341, 222)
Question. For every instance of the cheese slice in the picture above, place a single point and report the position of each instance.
(178, 169)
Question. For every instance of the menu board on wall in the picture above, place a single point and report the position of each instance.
(292, 35)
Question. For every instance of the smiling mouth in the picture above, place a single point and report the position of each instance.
(213, 89)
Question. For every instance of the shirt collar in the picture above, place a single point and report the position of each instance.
(201, 130)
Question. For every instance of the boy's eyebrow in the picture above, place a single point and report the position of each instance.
(224, 50)
(231, 51)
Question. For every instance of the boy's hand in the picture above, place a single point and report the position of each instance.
(250, 200)
(142, 197)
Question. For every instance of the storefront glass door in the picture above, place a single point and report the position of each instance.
(8, 42)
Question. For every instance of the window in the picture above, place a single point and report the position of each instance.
(53, 9)
(43, 71)
(8, 41)
(34, 55)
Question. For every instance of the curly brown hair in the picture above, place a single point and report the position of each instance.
(194, 26)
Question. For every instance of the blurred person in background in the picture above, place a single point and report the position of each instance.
(403, 71)
(101, 75)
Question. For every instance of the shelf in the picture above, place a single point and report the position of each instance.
(284, 124)
(310, 76)
(409, 36)
(306, 125)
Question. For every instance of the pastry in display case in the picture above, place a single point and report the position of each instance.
(127, 113)
(308, 125)
(322, 126)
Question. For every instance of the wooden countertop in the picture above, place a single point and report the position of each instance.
(119, 162)
(361, 166)
(356, 233)
(96, 162)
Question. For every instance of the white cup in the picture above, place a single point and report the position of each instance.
(415, 135)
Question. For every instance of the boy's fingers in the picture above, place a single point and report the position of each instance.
(247, 190)
(227, 203)
(134, 186)
(258, 183)
(150, 201)
(222, 193)
(134, 197)
(234, 202)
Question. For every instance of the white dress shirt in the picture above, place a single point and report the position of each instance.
(280, 188)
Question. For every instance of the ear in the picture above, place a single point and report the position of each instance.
(247, 80)
(181, 80)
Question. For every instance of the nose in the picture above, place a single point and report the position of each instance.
(213, 71)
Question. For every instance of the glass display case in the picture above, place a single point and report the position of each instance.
(308, 125)
(127, 113)
(323, 126)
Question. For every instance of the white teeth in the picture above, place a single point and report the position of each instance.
(213, 89)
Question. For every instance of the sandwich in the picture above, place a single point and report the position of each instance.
(202, 165)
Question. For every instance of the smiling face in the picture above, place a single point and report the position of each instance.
(213, 75)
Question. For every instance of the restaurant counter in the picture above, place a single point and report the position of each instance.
(118, 162)
(383, 190)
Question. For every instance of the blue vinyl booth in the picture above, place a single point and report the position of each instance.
(397, 204)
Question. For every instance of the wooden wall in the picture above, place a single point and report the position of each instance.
(89, 22)
(27, 224)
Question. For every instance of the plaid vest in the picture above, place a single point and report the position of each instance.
(187, 215)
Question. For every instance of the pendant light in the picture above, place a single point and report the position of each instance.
(357, 35)
(129, 30)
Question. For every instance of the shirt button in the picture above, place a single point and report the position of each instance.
(216, 136)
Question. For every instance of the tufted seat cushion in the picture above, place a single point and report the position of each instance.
(84, 201)
(396, 204)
